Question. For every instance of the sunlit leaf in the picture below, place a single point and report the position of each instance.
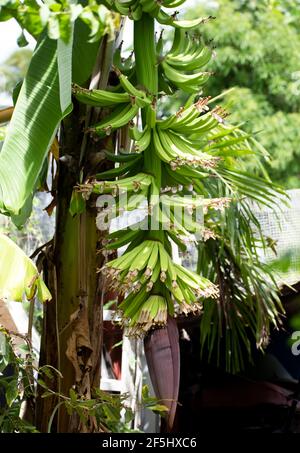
(18, 274)
(32, 128)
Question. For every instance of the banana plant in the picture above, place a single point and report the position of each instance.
(74, 40)
(188, 161)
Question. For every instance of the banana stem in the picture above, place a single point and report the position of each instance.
(145, 53)
(147, 77)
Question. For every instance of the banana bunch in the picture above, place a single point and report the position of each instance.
(182, 66)
(142, 138)
(134, 9)
(177, 150)
(166, 160)
(125, 106)
(187, 52)
(133, 184)
(137, 274)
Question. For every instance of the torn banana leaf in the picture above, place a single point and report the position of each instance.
(18, 274)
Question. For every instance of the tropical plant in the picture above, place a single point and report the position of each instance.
(116, 138)
(18, 382)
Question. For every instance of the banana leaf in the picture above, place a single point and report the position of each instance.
(18, 274)
(34, 123)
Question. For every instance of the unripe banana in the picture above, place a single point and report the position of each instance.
(151, 116)
(124, 10)
(191, 62)
(130, 88)
(184, 117)
(125, 239)
(118, 118)
(99, 98)
(135, 12)
(188, 24)
(164, 258)
(172, 3)
(152, 261)
(120, 171)
(185, 80)
(122, 157)
(144, 141)
(149, 6)
(141, 260)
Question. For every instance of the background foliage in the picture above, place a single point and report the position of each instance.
(257, 46)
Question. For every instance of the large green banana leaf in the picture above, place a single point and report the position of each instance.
(44, 99)
(18, 274)
(34, 123)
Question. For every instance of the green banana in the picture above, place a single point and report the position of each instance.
(164, 258)
(143, 141)
(99, 98)
(159, 149)
(184, 117)
(122, 157)
(184, 80)
(140, 262)
(124, 10)
(188, 24)
(164, 86)
(118, 118)
(192, 61)
(122, 262)
(152, 261)
(131, 308)
(130, 88)
(134, 201)
(154, 276)
(200, 125)
(149, 6)
(172, 3)
(181, 245)
(135, 12)
(119, 171)
(125, 239)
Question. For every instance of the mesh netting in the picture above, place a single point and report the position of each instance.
(283, 227)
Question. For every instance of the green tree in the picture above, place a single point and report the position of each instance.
(180, 162)
(13, 69)
(257, 53)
